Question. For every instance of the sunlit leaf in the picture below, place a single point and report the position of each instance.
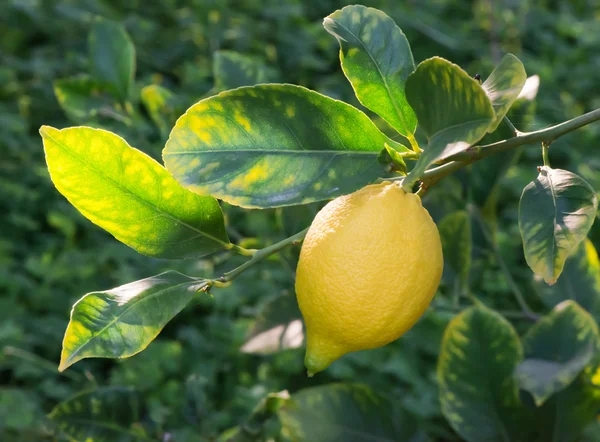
(81, 97)
(110, 414)
(478, 392)
(504, 85)
(377, 59)
(452, 108)
(161, 105)
(579, 281)
(556, 212)
(274, 145)
(343, 412)
(130, 195)
(455, 233)
(121, 322)
(557, 348)
(233, 70)
(112, 56)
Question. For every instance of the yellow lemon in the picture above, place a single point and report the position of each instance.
(369, 267)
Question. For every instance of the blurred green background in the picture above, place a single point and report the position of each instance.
(194, 383)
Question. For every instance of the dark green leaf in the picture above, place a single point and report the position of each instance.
(580, 281)
(274, 145)
(504, 85)
(377, 59)
(112, 57)
(343, 413)
(452, 108)
(121, 322)
(108, 414)
(81, 97)
(130, 195)
(556, 213)
(557, 348)
(479, 395)
(233, 70)
(455, 233)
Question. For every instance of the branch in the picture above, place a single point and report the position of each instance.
(258, 256)
(476, 153)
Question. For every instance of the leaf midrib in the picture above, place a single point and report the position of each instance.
(277, 152)
(129, 192)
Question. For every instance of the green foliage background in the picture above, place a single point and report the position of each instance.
(194, 383)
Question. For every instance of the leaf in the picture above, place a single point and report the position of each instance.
(392, 158)
(121, 322)
(112, 57)
(233, 70)
(557, 348)
(277, 327)
(479, 395)
(342, 413)
(160, 103)
(455, 233)
(556, 212)
(377, 59)
(274, 145)
(452, 108)
(130, 195)
(81, 97)
(504, 85)
(580, 281)
(108, 414)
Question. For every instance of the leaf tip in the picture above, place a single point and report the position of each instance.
(45, 130)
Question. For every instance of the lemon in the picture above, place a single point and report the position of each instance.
(369, 267)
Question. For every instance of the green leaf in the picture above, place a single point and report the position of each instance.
(343, 412)
(452, 108)
(557, 348)
(274, 145)
(504, 85)
(455, 233)
(377, 59)
(112, 57)
(121, 322)
(160, 103)
(109, 414)
(392, 159)
(81, 97)
(233, 70)
(130, 195)
(479, 395)
(556, 212)
(580, 281)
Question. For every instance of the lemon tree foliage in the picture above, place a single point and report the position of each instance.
(455, 232)
(232, 70)
(503, 86)
(579, 281)
(482, 346)
(557, 349)
(162, 105)
(81, 97)
(274, 145)
(343, 412)
(131, 196)
(105, 414)
(112, 57)
(121, 322)
(456, 113)
(377, 59)
(556, 212)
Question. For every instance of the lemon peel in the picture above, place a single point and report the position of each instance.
(369, 266)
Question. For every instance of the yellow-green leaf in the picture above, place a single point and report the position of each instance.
(504, 85)
(377, 60)
(131, 196)
(274, 145)
(556, 212)
(232, 70)
(121, 322)
(452, 108)
(478, 392)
